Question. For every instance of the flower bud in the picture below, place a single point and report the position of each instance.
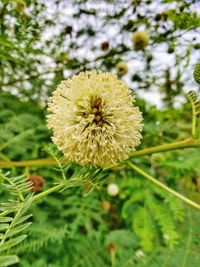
(140, 40)
(121, 68)
(105, 205)
(104, 46)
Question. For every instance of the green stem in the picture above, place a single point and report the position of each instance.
(48, 191)
(37, 162)
(188, 143)
(166, 188)
(113, 258)
(66, 184)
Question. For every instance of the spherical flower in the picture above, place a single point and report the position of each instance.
(140, 40)
(112, 190)
(93, 119)
(197, 72)
(121, 68)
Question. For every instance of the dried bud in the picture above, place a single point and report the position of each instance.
(37, 182)
(104, 46)
(68, 30)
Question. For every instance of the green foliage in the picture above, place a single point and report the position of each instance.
(21, 124)
(184, 20)
(143, 203)
(13, 220)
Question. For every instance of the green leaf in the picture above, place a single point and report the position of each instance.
(6, 219)
(22, 219)
(8, 260)
(13, 242)
(4, 226)
(18, 229)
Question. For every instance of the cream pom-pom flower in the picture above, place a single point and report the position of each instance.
(93, 119)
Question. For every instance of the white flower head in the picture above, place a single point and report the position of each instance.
(93, 119)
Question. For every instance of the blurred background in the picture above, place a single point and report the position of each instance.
(153, 46)
(43, 42)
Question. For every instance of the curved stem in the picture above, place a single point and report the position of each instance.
(64, 184)
(48, 191)
(166, 188)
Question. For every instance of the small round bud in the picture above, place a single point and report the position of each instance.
(140, 40)
(197, 73)
(104, 46)
(37, 182)
(105, 205)
(157, 17)
(111, 247)
(112, 190)
(121, 68)
(170, 49)
(68, 30)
